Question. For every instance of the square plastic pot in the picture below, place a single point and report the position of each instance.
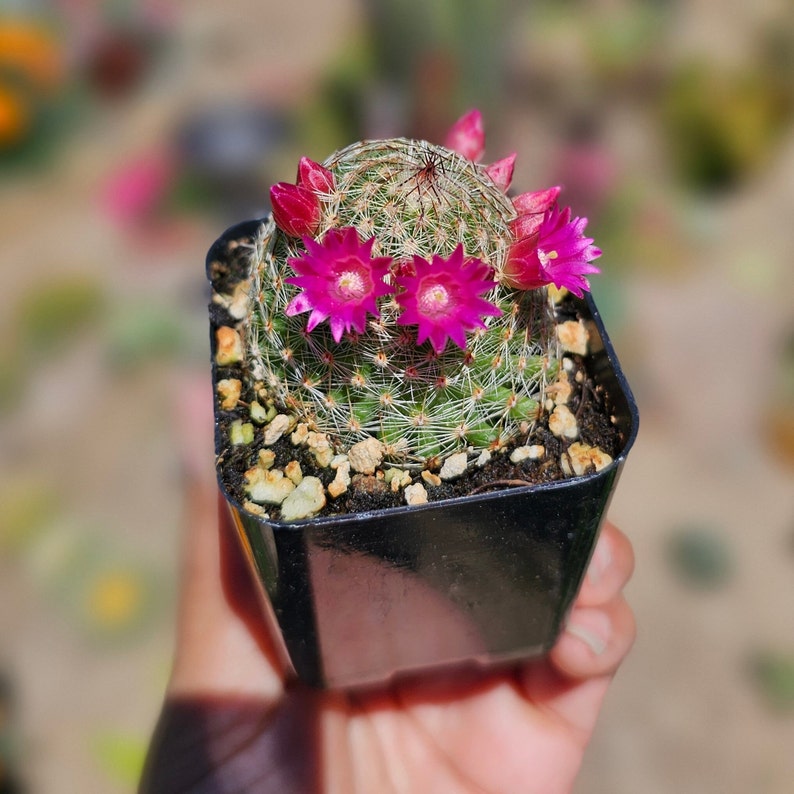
(481, 580)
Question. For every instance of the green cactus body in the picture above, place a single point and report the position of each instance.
(415, 198)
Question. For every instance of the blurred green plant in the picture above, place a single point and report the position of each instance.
(140, 332)
(722, 126)
(28, 507)
(700, 556)
(51, 314)
(773, 674)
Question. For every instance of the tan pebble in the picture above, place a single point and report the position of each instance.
(529, 452)
(293, 471)
(562, 423)
(276, 429)
(484, 459)
(229, 346)
(572, 335)
(341, 481)
(300, 434)
(267, 458)
(336, 488)
(430, 478)
(320, 447)
(338, 460)
(365, 456)
(253, 507)
(416, 494)
(229, 390)
(581, 458)
(399, 480)
(560, 391)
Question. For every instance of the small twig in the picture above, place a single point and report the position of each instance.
(500, 484)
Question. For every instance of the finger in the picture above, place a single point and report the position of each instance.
(595, 641)
(216, 652)
(610, 568)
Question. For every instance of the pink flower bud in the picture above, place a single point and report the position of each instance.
(314, 176)
(296, 209)
(467, 136)
(538, 201)
(502, 171)
(526, 225)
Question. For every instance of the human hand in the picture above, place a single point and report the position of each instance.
(233, 722)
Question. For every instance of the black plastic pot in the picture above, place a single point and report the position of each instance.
(486, 579)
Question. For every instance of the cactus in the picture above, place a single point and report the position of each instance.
(430, 326)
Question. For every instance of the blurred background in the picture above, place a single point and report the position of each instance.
(133, 133)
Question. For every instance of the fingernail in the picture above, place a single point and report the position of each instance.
(593, 629)
(601, 560)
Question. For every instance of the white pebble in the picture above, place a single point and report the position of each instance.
(276, 429)
(454, 466)
(366, 455)
(562, 423)
(306, 500)
(530, 452)
(267, 486)
(416, 494)
(484, 459)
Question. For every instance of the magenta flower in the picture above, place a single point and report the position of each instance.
(339, 279)
(531, 207)
(443, 298)
(467, 136)
(558, 254)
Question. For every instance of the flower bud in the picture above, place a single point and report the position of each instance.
(467, 136)
(536, 202)
(296, 209)
(314, 176)
(502, 171)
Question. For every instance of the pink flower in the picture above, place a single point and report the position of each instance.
(531, 207)
(502, 171)
(467, 136)
(296, 209)
(443, 298)
(339, 279)
(558, 253)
